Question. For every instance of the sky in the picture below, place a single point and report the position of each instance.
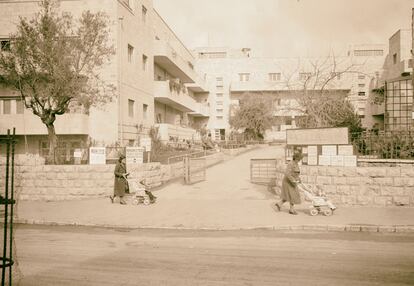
(285, 28)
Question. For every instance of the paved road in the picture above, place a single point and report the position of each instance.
(93, 256)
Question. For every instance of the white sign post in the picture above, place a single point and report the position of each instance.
(97, 155)
(146, 144)
(134, 155)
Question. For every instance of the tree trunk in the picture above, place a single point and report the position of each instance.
(52, 143)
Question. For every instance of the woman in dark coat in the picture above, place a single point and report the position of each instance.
(120, 183)
(290, 192)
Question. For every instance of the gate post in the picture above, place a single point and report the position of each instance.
(186, 170)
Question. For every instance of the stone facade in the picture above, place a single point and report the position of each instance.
(373, 186)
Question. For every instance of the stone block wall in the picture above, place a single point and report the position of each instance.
(373, 186)
(35, 181)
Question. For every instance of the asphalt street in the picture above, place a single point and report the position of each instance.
(64, 255)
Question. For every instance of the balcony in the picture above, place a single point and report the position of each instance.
(201, 110)
(199, 86)
(165, 94)
(166, 131)
(167, 58)
(244, 86)
(29, 124)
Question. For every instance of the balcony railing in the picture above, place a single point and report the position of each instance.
(168, 94)
(169, 131)
(166, 57)
(201, 110)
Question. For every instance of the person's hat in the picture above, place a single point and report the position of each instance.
(297, 156)
(121, 156)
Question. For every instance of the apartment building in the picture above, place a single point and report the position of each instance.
(391, 100)
(153, 73)
(233, 74)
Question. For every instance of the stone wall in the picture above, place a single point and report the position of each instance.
(35, 181)
(374, 186)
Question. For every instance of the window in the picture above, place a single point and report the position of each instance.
(304, 75)
(144, 14)
(219, 80)
(19, 106)
(367, 53)
(144, 62)
(5, 45)
(130, 53)
(274, 76)
(219, 110)
(219, 94)
(145, 111)
(219, 88)
(219, 103)
(131, 104)
(361, 85)
(394, 58)
(361, 76)
(7, 106)
(244, 76)
(219, 117)
(361, 93)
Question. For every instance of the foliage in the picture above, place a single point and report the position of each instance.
(253, 116)
(384, 145)
(54, 62)
(379, 95)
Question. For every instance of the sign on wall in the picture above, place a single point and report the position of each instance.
(134, 155)
(97, 155)
(317, 136)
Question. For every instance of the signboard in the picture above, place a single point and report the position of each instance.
(134, 155)
(346, 150)
(324, 160)
(350, 161)
(337, 160)
(329, 150)
(145, 143)
(97, 155)
(312, 151)
(312, 160)
(317, 136)
(77, 153)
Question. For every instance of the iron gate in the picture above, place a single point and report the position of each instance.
(194, 170)
(262, 171)
(7, 202)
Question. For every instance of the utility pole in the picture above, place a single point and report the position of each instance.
(412, 59)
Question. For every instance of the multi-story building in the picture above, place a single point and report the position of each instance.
(153, 73)
(233, 74)
(391, 100)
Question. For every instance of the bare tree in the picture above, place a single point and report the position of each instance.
(54, 62)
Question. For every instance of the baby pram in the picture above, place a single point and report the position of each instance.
(140, 194)
(320, 203)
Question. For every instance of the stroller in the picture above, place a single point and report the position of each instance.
(140, 192)
(320, 203)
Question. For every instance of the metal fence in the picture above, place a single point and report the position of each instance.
(384, 144)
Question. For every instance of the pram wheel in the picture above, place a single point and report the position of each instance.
(313, 211)
(327, 212)
(147, 201)
(135, 201)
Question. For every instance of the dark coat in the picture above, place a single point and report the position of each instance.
(290, 190)
(120, 184)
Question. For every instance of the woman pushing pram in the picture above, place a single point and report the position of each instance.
(142, 193)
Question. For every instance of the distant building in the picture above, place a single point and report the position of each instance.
(232, 74)
(391, 100)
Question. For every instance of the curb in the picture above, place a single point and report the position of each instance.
(317, 228)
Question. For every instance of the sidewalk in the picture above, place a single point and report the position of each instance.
(225, 201)
(213, 214)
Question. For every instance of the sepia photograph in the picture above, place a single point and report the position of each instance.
(206, 143)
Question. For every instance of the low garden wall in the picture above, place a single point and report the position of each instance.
(374, 186)
(35, 181)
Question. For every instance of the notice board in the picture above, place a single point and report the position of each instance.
(317, 136)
